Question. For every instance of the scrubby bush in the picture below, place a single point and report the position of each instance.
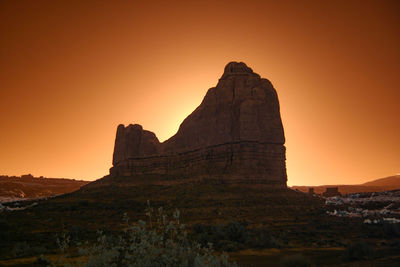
(160, 242)
(358, 251)
(83, 203)
(21, 249)
(24, 249)
(295, 261)
(43, 261)
(234, 236)
(262, 238)
(76, 232)
(4, 230)
(4, 225)
(236, 232)
(391, 229)
(227, 237)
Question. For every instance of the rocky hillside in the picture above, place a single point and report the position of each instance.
(28, 186)
(389, 182)
(378, 185)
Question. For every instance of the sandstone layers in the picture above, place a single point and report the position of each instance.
(234, 136)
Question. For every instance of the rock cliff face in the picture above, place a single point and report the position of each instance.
(235, 136)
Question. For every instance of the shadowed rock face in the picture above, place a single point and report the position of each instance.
(235, 135)
(134, 142)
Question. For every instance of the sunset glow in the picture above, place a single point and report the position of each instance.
(70, 74)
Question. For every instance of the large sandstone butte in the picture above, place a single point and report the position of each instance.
(234, 136)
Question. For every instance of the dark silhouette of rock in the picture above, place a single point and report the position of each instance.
(235, 136)
(133, 142)
(331, 192)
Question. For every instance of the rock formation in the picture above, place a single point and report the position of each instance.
(235, 136)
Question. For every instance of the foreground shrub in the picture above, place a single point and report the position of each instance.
(236, 232)
(227, 237)
(235, 236)
(43, 261)
(161, 242)
(21, 249)
(262, 238)
(358, 251)
(295, 261)
(391, 229)
(5, 231)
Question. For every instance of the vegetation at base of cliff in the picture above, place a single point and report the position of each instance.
(277, 223)
(297, 260)
(234, 236)
(159, 242)
(358, 251)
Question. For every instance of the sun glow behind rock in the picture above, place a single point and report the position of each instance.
(67, 83)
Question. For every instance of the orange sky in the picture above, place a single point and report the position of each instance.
(71, 71)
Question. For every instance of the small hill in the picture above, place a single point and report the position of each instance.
(391, 181)
(28, 186)
(378, 185)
